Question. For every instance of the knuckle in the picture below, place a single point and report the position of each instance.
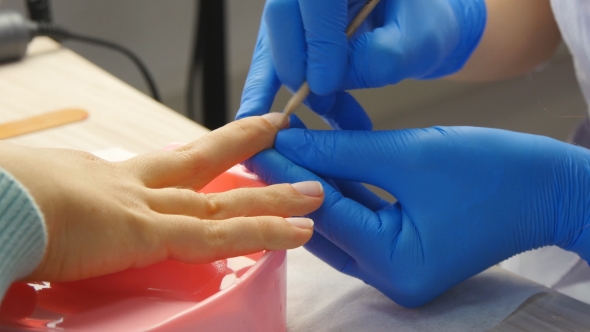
(194, 158)
(85, 155)
(413, 289)
(133, 198)
(211, 205)
(140, 224)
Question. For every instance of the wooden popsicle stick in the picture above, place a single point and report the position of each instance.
(42, 121)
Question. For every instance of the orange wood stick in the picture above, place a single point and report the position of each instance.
(42, 121)
(303, 92)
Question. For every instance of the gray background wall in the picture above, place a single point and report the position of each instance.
(547, 102)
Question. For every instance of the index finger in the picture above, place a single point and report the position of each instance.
(327, 44)
(197, 163)
(262, 83)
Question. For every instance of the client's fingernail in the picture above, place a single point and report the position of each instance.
(304, 223)
(277, 119)
(309, 188)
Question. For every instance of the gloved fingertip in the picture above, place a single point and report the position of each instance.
(325, 79)
(322, 87)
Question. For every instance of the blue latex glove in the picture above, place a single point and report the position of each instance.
(468, 198)
(305, 40)
(340, 110)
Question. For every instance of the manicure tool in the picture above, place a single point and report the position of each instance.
(304, 91)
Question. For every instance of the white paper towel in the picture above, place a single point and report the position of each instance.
(555, 268)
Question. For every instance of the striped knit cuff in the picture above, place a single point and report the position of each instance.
(23, 235)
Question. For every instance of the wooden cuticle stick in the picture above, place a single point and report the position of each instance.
(303, 92)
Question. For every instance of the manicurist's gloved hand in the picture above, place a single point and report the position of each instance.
(305, 40)
(468, 198)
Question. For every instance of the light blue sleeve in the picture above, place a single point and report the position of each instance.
(23, 235)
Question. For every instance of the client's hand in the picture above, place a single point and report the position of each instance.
(104, 217)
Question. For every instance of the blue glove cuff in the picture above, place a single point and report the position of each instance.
(573, 232)
(472, 18)
(580, 240)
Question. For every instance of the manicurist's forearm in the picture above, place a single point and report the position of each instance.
(519, 36)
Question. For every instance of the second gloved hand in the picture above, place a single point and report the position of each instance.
(305, 40)
(400, 39)
(468, 198)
